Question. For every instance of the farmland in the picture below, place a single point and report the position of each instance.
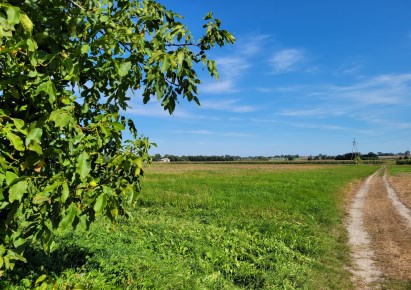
(213, 226)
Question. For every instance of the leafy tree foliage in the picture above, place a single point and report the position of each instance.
(67, 68)
(351, 156)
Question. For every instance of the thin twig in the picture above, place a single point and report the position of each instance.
(76, 4)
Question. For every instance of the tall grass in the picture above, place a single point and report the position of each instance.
(213, 227)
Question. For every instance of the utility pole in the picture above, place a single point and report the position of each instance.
(354, 151)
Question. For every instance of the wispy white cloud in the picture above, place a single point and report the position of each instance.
(252, 45)
(379, 90)
(350, 69)
(372, 104)
(315, 112)
(282, 90)
(287, 60)
(232, 68)
(200, 132)
(155, 110)
(235, 134)
(219, 87)
(311, 125)
(385, 122)
(244, 109)
(207, 132)
(231, 105)
(389, 89)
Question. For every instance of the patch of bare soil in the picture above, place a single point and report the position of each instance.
(390, 233)
(383, 228)
(365, 273)
(402, 186)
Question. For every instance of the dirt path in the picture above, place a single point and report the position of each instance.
(379, 229)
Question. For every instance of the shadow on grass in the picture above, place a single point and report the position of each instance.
(69, 256)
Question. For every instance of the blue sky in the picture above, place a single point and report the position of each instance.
(304, 77)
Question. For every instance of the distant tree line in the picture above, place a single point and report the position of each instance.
(351, 156)
(286, 157)
(185, 158)
(321, 157)
(213, 158)
(405, 156)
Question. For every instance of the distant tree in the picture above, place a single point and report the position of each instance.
(157, 157)
(369, 156)
(346, 156)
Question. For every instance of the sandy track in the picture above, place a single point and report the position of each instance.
(379, 229)
(365, 272)
(402, 209)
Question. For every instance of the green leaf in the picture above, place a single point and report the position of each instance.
(64, 192)
(124, 69)
(35, 146)
(26, 23)
(208, 16)
(83, 222)
(2, 178)
(166, 64)
(212, 68)
(61, 118)
(41, 279)
(83, 165)
(101, 203)
(34, 134)
(41, 197)
(19, 242)
(31, 44)
(15, 141)
(10, 177)
(17, 190)
(49, 88)
(139, 162)
(53, 186)
(68, 219)
(85, 49)
(13, 15)
(19, 124)
(118, 126)
(44, 195)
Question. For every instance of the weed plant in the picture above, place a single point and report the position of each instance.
(212, 227)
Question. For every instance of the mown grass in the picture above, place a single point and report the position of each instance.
(213, 227)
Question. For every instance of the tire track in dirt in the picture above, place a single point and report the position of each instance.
(404, 211)
(379, 229)
(364, 270)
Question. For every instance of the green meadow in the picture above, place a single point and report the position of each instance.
(395, 169)
(215, 226)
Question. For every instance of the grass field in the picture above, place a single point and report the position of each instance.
(395, 169)
(213, 226)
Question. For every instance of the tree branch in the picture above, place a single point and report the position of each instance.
(182, 44)
(76, 4)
